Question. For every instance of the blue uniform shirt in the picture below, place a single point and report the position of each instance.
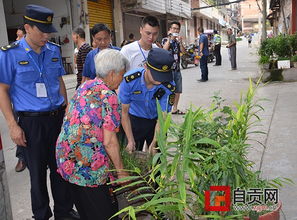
(142, 102)
(89, 66)
(20, 69)
(203, 39)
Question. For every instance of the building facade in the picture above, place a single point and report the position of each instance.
(250, 16)
(282, 16)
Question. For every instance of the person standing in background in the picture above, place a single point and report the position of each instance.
(137, 51)
(174, 44)
(101, 35)
(203, 53)
(78, 37)
(217, 48)
(21, 32)
(232, 48)
(131, 38)
(250, 37)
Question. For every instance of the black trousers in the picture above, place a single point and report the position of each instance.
(204, 68)
(217, 53)
(41, 133)
(94, 203)
(143, 129)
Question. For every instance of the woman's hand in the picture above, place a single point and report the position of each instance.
(130, 147)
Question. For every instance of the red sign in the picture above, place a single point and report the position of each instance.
(226, 199)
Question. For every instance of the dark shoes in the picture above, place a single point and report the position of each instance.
(201, 80)
(20, 166)
(217, 65)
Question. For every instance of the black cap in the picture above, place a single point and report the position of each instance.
(41, 17)
(159, 62)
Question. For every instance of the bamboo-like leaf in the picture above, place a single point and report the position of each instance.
(129, 185)
(124, 210)
(207, 141)
(162, 200)
(141, 196)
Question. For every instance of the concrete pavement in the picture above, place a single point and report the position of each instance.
(277, 159)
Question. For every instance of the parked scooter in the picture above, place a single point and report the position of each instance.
(190, 57)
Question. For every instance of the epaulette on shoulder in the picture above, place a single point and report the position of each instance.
(169, 86)
(10, 46)
(52, 43)
(133, 76)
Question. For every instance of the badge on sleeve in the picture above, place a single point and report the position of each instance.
(41, 90)
(55, 59)
(171, 99)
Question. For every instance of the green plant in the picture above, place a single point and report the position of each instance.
(138, 160)
(264, 59)
(267, 47)
(294, 58)
(283, 58)
(293, 43)
(282, 46)
(208, 149)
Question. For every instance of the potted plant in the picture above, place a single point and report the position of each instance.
(208, 149)
(264, 61)
(294, 60)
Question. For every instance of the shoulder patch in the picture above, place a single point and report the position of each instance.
(132, 76)
(54, 44)
(10, 46)
(169, 86)
(171, 99)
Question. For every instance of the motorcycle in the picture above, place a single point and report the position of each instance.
(190, 57)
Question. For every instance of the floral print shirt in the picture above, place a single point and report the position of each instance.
(81, 156)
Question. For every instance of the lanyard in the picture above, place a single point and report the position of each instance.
(141, 51)
(35, 64)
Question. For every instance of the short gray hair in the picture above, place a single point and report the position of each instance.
(109, 59)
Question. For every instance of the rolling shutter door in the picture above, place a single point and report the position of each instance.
(100, 12)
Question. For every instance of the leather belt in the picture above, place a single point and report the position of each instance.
(47, 113)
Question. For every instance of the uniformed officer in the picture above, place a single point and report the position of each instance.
(217, 48)
(139, 92)
(31, 80)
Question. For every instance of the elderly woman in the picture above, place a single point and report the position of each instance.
(88, 140)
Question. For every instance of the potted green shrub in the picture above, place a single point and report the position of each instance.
(264, 61)
(208, 149)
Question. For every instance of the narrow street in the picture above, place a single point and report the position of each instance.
(279, 122)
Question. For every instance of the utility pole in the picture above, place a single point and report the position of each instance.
(264, 15)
